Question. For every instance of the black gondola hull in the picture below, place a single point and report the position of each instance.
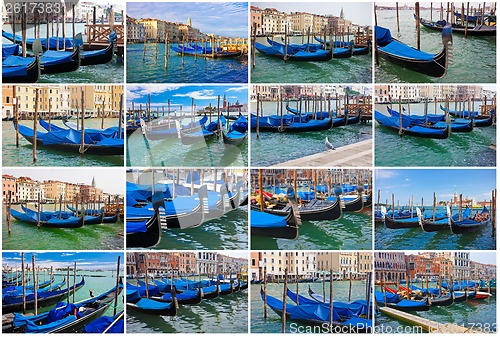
(435, 68)
(150, 238)
(33, 75)
(66, 67)
(98, 59)
(355, 205)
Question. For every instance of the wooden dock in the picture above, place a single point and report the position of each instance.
(426, 324)
(358, 154)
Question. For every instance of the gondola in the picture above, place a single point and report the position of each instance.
(54, 62)
(395, 302)
(94, 57)
(296, 55)
(18, 69)
(432, 122)
(205, 52)
(293, 125)
(459, 297)
(357, 50)
(470, 224)
(64, 317)
(211, 292)
(45, 298)
(149, 306)
(69, 140)
(226, 289)
(54, 42)
(52, 222)
(186, 297)
(93, 219)
(114, 324)
(463, 114)
(285, 227)
(406, 128)
(479, 120)
(264, 224)
(316, 314)
(292, 48)
(344, 309)
(438, 224)
(478, 30)
(202, 134)
(442, 300)
(354, 205)
(180, 212)
(146, 233)
(238, 132)
(111, 218)
(435, 65)
(314, 210)
(408, 222)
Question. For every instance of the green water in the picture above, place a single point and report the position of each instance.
(172, 153)
(23, 155)
(91, 237)
(224, 314)
(479, 314)
(111, 72)
(273, 322)
(474, 58)
(150, 68)
(460, 149)
(356, 69)
(228, 232)
(297, 145)
(353, 231)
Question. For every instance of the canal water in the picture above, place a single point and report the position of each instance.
(172, 153)
(353, 231)
(273, 322)
(275, 147)
(97, 281)
(479, 314)
(468, 66)
(149, 67)
(111, 72)
(92, 237)
(356, 69)
(224, 314)
(460, 149)
(228, 232)
(23, 156)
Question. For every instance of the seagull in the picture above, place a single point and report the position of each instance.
(329, 145)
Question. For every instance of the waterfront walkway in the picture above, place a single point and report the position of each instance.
(358, 154)
(426, 324)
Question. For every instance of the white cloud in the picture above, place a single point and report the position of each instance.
(385, 174)
(140, 91)
(199, 94)
(237, 89)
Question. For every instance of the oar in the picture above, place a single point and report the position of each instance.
(114, 322)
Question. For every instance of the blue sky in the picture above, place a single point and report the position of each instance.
(84, 260)
(484, 257)
(359, 13)
(221, 18)
(472, 183)
(181, 95)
